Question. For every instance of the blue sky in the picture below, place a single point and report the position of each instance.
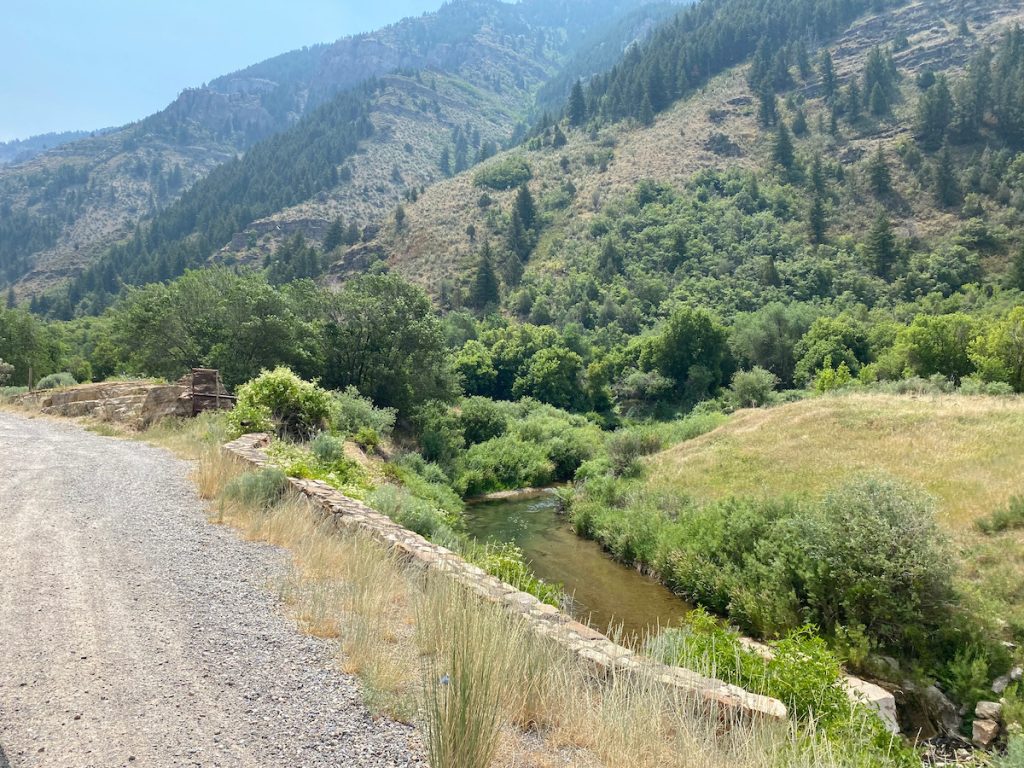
(80, 65)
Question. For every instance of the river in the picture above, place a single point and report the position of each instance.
(605, 594)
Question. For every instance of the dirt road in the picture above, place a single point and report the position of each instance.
(133, 632)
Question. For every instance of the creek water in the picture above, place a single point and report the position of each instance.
(605, 594)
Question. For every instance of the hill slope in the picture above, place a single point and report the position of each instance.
(717, 129)
(963, 450)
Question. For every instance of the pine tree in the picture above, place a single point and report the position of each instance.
(399, 217)
(335, 235)
(800, 122)
(880, 246)
(816, 220)
(803, 61)
(445, 163)
(879, 102)
(525, 207)
(934, 113)
(558, 140)
(782, 148)
(484, 291)
(817, 176)
(828, 76)
(577, 111)
(767, 111)
(12, 300)
(947, 188)
(518, 239)
(770, 273)
(879, 176)
(852, 103)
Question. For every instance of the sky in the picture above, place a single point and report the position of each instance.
(77, 65)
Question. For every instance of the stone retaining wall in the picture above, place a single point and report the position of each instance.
(601, 655)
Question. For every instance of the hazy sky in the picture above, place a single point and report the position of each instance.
(85, 64)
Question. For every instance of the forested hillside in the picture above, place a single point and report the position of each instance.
(63, 209)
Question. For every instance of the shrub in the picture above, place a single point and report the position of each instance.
(367, 439)
(966, 677)
(626, 447)
(327, 449)
(281, 401)
(503, 463)
(1014, 757)
(1008, 518)
(482, 419)
(503, 174)
(259, 490)
(6, 371)
(55, 380)
(505, 561)
(415, 514)
(352, 411)
(754, 388)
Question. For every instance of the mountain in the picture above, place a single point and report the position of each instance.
(20, 150)
(691, 202)
(60, 211)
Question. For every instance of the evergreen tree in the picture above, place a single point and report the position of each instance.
(803, 61)
(852, 102)
(816, 220)
(934, 113)
(880, 246)
(947, 188)
(558, 139)
(828, 76)
(767, 111)
(518, 239)
(445, 163)
(484, 291)
(800, 122)
(879, 176)
(879, 102)
(335, 235)
(525, 207)
(12, 300)
(770, 273)
(782, 148)
(817, 176)
(577, 111)
(399, 217)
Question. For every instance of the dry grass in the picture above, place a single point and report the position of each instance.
(485, 691)
(966, 451)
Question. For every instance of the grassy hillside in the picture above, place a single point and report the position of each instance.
(966, 451)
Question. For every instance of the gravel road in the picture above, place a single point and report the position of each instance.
(132, 632)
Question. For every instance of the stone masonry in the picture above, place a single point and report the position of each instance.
(600, 654)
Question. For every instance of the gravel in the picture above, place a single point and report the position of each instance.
(133, 632)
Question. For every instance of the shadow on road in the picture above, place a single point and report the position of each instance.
(3, 758)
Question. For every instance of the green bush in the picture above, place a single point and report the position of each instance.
(416, 514)
(260, 489)
(753, 388)
(1014, 757)
(352, 412)
(966, 677)
(482, 419)
(367, 439)
(326, 448)
(626, 447)
(1008, 518)
(281, 401)
(6, 372)
(504, 560)
(507, 173)
(55, 380)
(503, 463)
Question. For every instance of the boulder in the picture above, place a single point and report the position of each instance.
(985, 733)
(941, 712)
(988, 710)
(874, 697)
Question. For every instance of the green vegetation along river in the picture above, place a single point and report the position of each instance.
(604, 593)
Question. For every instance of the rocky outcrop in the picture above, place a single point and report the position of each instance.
(602, 656)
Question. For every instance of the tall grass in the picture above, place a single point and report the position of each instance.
(484, 689)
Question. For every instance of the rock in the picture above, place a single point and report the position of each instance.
(988, 710)
(1000, 684)
(985, 733)
(874, 697)
(1016, 674)
(940, 710)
